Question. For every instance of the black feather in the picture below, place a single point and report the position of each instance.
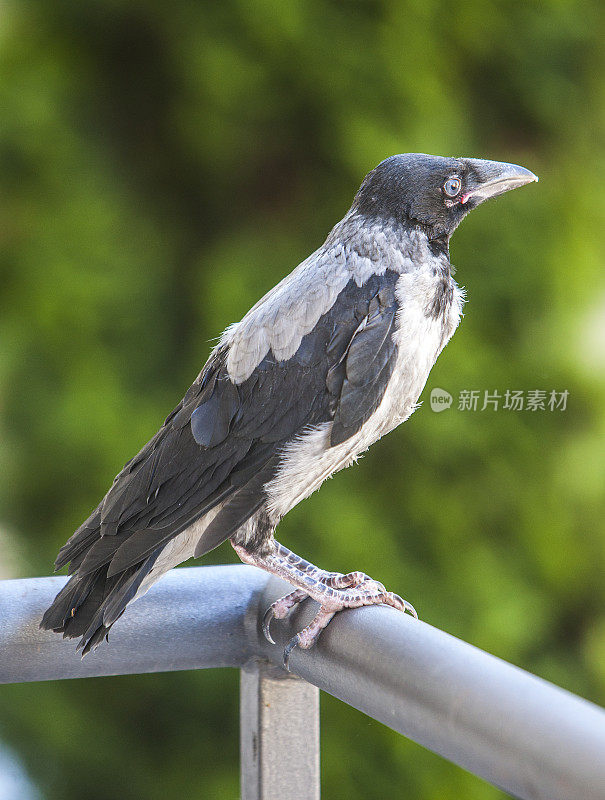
(81, 540)
(237, 510)
(368, 366)
(211, 419)
(125, 589)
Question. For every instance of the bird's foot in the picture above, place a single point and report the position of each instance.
(332, 590)
(347, 591)
(282, 607)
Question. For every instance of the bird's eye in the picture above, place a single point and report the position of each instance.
(452, 186)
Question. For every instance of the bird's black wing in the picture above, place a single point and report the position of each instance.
(223, 441)
(340, 372)
(364, 371)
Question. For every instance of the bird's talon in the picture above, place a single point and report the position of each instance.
(288, 649)
(410, 609)
(269, 615)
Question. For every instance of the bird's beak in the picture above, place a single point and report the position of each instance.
(490, 178)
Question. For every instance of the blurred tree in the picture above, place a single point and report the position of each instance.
(163, 165)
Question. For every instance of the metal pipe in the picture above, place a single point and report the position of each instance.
(192, 618)
(520, 733)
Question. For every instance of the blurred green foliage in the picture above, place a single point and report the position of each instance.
(161, 166)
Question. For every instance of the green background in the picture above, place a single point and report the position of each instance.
(162, 165)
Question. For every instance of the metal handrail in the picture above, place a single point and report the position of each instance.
(520, 733)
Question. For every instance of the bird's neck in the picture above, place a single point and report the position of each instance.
(400, 246)
(440, 246)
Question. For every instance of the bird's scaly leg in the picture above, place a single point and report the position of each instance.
(332, 590)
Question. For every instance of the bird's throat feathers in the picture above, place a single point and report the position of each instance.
(388, 243)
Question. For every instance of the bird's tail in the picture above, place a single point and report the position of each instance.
(91, 601)
(75, 610)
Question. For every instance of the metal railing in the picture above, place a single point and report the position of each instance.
(520, 733)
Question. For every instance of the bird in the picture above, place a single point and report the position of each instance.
(331, 359)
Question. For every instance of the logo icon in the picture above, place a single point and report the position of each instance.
(440, 400)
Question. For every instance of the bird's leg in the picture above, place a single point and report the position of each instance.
(280, 608)
(332, 590)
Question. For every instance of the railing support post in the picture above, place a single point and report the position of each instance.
(279, 735)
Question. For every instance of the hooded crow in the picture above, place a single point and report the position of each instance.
(327, 362)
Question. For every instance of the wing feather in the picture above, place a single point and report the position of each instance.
(367, 367)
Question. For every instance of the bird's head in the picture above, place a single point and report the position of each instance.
(432, 192)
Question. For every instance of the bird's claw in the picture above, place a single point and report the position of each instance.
(294, 642)
(409, 608)
(269, 615)
(280, 609)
